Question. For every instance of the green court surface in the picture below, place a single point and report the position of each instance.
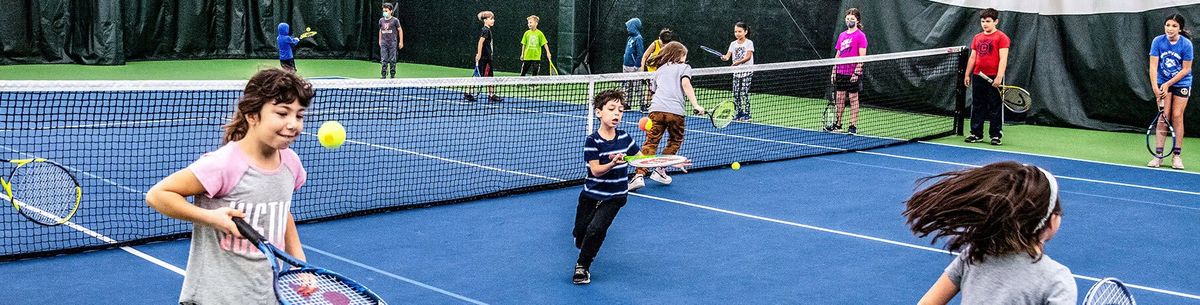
(1110, 147)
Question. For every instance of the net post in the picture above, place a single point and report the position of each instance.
(960, 95)
(591, 92)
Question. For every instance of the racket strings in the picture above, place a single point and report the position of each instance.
(1108, 293)
(44, 192)
(330, 290)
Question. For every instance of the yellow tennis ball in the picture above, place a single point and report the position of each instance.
(307, 29)
(331, 135)
(649, 124)
(736, 166)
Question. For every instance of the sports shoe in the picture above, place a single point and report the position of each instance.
(582, 276)
(973, 139)
(636, 183)
(469, 97)
(495, 98)
(1156, 162)
(852, 130)
(1177, 162)
(995, 141)
(833, 127)
(660, 175)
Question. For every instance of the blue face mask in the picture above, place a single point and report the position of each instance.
(386, 14)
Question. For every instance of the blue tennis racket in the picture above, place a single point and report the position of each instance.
(293, 286)
(1109, 291)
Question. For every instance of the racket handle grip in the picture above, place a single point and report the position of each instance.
(247, 231)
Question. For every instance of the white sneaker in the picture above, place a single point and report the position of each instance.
(660, 175)
(1156, 162)
(636, 183)
(1176, 162)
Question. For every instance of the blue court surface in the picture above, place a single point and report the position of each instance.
(820, 230)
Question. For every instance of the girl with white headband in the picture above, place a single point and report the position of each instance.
(999, 217)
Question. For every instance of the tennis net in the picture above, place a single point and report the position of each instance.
(420, 142)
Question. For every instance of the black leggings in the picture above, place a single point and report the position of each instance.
(592, 219)
(530, 66)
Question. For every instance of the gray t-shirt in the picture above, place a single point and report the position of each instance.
(1013, 279)
(388, 28)
(668, 95)
(223, 269)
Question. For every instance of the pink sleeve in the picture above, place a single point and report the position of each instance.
(218, 171)
(292, 161)
(862, 41)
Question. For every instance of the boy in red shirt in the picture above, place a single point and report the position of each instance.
(989, 55)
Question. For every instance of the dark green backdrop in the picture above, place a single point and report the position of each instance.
(1083, 70)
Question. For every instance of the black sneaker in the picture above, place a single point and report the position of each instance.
(833, 127)
(582, 276)
(973, 139)
(495, 98)
(469, 97)
(995, 141)
(852, 130)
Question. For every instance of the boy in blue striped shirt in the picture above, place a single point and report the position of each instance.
(605, 190)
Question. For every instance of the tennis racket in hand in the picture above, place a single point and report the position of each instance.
(1109, 291)
(301, 283)
(1160, 136)
(1015, 99)
(308, 32)
(654, 161)
(714, 52)
(42, 191)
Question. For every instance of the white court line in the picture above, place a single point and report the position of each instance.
(811, 227)
(1063, 158)
(1059, 176)
(1065, 192)
(877, 239)
(861, 152)
(95, 234)
(109, 124)
(394, 276)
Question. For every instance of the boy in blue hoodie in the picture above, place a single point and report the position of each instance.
(632, 60)
(286, 43)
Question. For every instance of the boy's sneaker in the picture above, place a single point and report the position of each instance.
(495, 98)
(747, 118)
(582, 276)
(636, 183)
(852, 130)
(1177, 162)
(1156, 162)
(660, 175)
(973, 139)
(996, 141)
(469, 97)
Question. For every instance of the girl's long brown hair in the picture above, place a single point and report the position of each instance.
(992, 210)
(672, 52)
(271, 85)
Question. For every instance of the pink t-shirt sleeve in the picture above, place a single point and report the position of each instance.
(219, 171)
(860, 41)
(292, 162)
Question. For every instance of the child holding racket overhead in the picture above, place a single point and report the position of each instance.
(253, 175)
(847, 78)
(741, 52)
(1171, 73)
(286, 44)
(673, 78)
(999, 217)
(989, 55)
